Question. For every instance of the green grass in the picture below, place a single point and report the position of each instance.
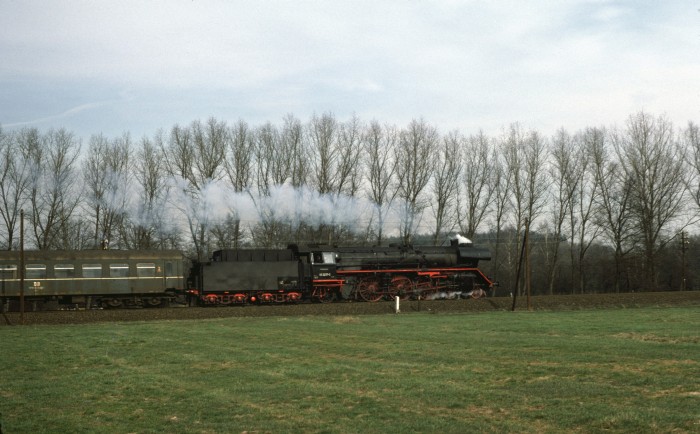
(626, 370)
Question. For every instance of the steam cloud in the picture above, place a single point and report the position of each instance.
(216, 201)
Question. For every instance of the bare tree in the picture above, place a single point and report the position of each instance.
(445, 185)
(583, 207)
(380, 147)
(414, 157)
(239, 170)
(323, 139)
(612, 204)
(271, 231)
(348, 172)
(239, 157)
(196, 155)
(179, 154)
(654, 161)
(210, 144)
(478, 182)
(691, 139)
(15, 180)
(106, 173)
(564, 173)
(335, 149)
(525, 157)
(148, 226)
(295, 146)
(54, 194)
(272, 166)
(227, 233)
(502, 183)
(95, 175)
(279, 158)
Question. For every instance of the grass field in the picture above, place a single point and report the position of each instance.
(616, 370)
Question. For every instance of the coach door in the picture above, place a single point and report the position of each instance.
(9, 281)
(119, 278)
(172, 277)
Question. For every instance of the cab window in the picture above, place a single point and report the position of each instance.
(323, 258)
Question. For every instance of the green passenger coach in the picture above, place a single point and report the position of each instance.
(93, 278)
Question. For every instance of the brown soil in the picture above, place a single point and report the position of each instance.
(553, 303)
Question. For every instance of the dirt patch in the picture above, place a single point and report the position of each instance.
(347, 310)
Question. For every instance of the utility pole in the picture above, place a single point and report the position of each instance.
(528, 269)
(684, 249)
(21, 266)
(520, 263)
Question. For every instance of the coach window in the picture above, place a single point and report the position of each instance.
(145, 270)
(118, 270)
(36, 271)
(92, 271)
(8, 272)
(65, 271)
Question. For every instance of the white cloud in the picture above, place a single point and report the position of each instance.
(460, 64)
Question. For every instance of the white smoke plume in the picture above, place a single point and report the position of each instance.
(462, 240)
(215, 201)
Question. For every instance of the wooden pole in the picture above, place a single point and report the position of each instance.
(21, 267)
(684, 248)
(520, 263)
(528, 270)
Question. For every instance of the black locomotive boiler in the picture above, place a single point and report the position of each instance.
(414, 271)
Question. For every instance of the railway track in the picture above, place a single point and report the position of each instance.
(556, 303)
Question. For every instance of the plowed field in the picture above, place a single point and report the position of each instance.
(553, 303)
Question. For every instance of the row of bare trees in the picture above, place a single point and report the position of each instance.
(621, 192)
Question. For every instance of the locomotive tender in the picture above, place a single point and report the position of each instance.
(322, 273)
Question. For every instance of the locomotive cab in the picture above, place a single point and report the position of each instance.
(323, 265)
(318, 268)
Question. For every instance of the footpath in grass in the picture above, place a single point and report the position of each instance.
(620, 370)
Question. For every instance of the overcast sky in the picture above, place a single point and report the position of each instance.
(138, 66)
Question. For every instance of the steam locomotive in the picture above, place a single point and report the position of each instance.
(321, 273)
(325, 273)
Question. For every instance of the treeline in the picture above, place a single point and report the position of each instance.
(604, 207)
